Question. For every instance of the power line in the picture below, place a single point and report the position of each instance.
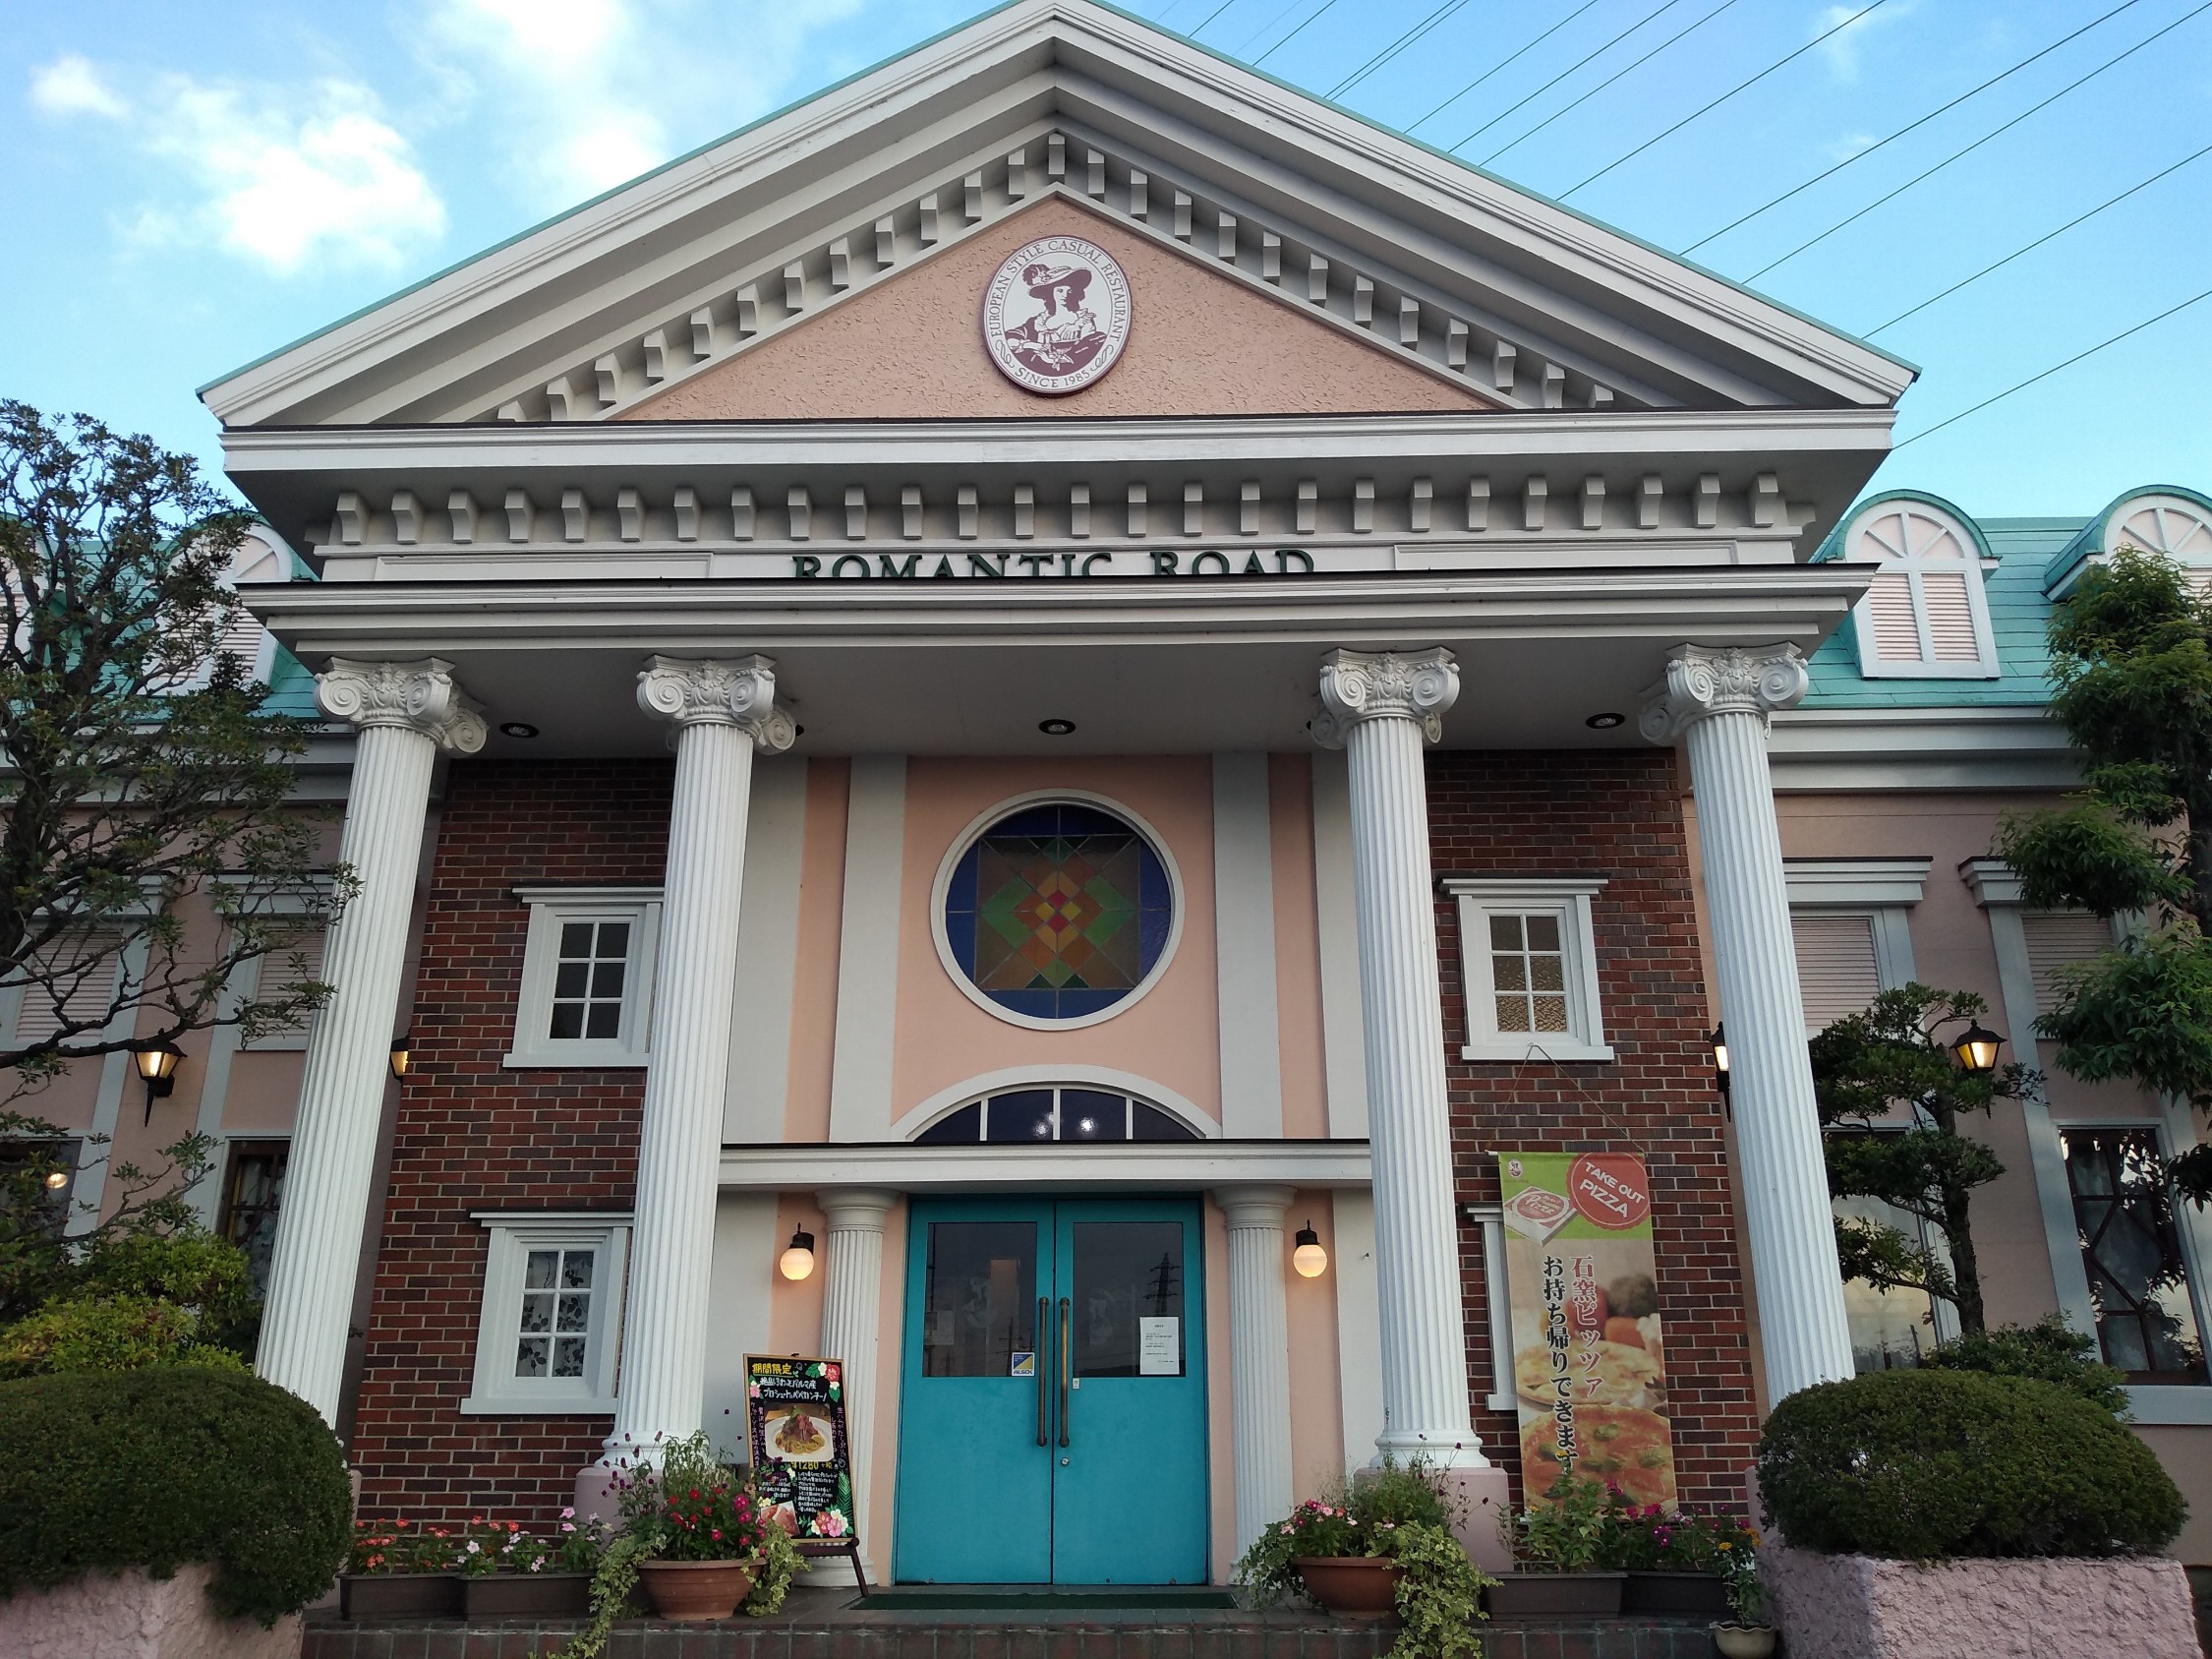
(1584, 99)
(2054, 369)
(1311, 18)
(1862, 154)
(2110, 202)
(1647, 16)
(1722, 99)
(1501, 64)
(2070, 85)
(1210, 16)
(1265, 27)
(1396, 46)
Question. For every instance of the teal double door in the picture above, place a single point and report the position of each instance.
(1052, 1417)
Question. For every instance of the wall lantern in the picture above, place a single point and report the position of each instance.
(797, 1259)
(56, 1179)
(399, 1046)
(157, 1070)
(1716, 1039)
(1310, 1258)
(1976, 1050)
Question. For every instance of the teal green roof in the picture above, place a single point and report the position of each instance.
(2092, 535)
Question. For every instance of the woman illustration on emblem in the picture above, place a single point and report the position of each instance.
(1063, 336)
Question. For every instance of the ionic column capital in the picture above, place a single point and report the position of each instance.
(1358, 685)
(1252, 1205)
(738, 691)
(417, 697)
(1703, 680)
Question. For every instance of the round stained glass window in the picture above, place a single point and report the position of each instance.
(1059, 912)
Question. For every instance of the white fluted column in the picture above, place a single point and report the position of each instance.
(1719, 701)
(1258, 1354)
(405, 713)
(722, 711)
(852, 1324)
(1382, 709)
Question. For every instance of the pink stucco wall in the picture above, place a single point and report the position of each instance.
(129, 1616)
(1316, 1403)
(1200, 344)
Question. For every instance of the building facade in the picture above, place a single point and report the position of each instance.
(972, 711)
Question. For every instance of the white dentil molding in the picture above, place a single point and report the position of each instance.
(420, 696)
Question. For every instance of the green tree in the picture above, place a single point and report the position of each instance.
(1896, 1055)
(2131, 675)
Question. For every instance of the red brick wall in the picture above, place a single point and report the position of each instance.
(472, 1134)
(1616, 816)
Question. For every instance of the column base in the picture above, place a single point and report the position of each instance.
(595, 1494)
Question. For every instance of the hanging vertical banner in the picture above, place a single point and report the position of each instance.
(801, 1459)
(1589, 1358)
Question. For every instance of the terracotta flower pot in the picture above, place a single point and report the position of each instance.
(1555, 1595)
(696, 1592)
(1743, 1642)
(1352, 1586)
(399, 1595)
(1699, 1595)
(527, 1595)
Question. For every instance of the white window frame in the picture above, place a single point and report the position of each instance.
(1912, 566)
(1566, 898)
(550, 909)
(1882, 890)
(246, 983)
(510, 1238)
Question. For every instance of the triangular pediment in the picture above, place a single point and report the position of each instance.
(1298, 258)
(1200, 344)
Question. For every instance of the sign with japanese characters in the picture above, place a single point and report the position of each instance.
(796, 1415)
(1589, 1353)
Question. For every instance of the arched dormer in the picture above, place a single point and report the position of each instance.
(2166, 520)
(1925, 615)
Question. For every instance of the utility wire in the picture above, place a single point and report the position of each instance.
(2110, 202)
(1862, 154)
(1503, 63)
(1311, 18)
(1210, 16)
(1396, 46)
(1647, 16)
(1707, 109)
(2054, 369)
(1581, 101)
(1958, 154)
(1265, 27)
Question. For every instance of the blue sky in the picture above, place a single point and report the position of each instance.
(191, 185)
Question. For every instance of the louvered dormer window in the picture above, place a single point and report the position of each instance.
(1925, 615)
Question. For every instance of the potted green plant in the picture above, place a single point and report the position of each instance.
(702, 1530)
(1371, 1547)
(509, 1574)
(1747, 1634)
(394, 1571)
(1561, 1542)
(1674, 1559)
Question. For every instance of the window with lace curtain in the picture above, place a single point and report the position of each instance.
(1925, 614)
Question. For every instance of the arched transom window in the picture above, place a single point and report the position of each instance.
(2171, 525)
(1039, 1115)
(1925, 614)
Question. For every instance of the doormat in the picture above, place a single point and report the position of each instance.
(963, 1598)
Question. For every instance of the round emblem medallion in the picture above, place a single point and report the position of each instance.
(1055, 315)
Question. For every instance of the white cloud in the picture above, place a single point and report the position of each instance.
(280, 176)
(1842, 48)
(71, 86)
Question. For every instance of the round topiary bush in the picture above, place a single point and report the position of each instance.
(160, 1468)
(1927, 1465)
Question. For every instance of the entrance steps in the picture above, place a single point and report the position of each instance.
(823, 1624)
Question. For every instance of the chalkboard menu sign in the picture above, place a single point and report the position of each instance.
(800, 1460)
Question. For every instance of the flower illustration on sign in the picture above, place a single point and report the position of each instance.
(1055, 315)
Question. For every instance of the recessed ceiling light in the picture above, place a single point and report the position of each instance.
(1056, 727)
(1606, 722)
(518, 728)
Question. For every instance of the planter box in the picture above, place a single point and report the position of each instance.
(527, 1595)
(1694, 1595)
(1855, 1607)
(1555, 1595)
(399, 1595)
(129, 1616)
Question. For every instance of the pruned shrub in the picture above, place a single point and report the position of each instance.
(156, 1468)
(1929, 1465)
(2048, 1350)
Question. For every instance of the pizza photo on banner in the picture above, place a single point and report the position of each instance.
(804, 1472)
(1589, 1355)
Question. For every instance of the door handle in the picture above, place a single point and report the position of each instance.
(1042, 1362)
(1066, 1366)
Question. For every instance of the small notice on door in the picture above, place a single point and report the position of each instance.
(1024, 1363)
(1159, 1347)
